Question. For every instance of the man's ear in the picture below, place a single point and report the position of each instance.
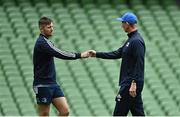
(41, 28)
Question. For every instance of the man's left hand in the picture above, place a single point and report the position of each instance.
(132, 89)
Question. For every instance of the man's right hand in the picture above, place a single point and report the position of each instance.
(88, 53)
(92, 53)
(85, 54)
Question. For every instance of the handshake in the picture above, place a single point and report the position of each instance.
(88, 53)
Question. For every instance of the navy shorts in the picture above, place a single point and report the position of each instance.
(46, 93)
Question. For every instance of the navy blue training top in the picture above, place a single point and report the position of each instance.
(132, 54)
(43, 60)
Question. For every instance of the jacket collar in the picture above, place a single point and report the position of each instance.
(43, 36)
(132, 33)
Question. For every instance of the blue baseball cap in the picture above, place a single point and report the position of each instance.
(129, 17)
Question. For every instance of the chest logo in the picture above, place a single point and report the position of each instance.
(127, 45)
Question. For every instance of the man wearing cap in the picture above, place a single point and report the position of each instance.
(131, 78)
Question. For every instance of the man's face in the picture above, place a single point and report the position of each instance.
(47, 30)
(125, 26)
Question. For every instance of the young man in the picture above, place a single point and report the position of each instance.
(132, 68)
(45, 86)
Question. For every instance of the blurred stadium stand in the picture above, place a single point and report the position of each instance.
(90, 85)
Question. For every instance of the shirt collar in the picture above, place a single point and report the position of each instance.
(132, 33)
(44, 36)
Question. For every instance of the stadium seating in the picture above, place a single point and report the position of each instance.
(90, 85)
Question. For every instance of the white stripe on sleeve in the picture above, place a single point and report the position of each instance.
(64, 53)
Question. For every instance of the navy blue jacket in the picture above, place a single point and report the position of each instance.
(132, 54)
(43, 60)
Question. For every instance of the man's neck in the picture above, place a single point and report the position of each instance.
(132, 30)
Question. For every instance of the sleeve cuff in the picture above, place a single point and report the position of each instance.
(78, 55)
(98, 54)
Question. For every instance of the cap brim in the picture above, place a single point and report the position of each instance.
(119, 19)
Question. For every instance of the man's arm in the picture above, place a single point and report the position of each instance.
(138, 51)
(107, 55)
(50, 49)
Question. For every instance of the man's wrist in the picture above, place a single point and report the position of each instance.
(78, 55)
(133, 81)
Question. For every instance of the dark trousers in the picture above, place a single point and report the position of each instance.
(126, 103)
